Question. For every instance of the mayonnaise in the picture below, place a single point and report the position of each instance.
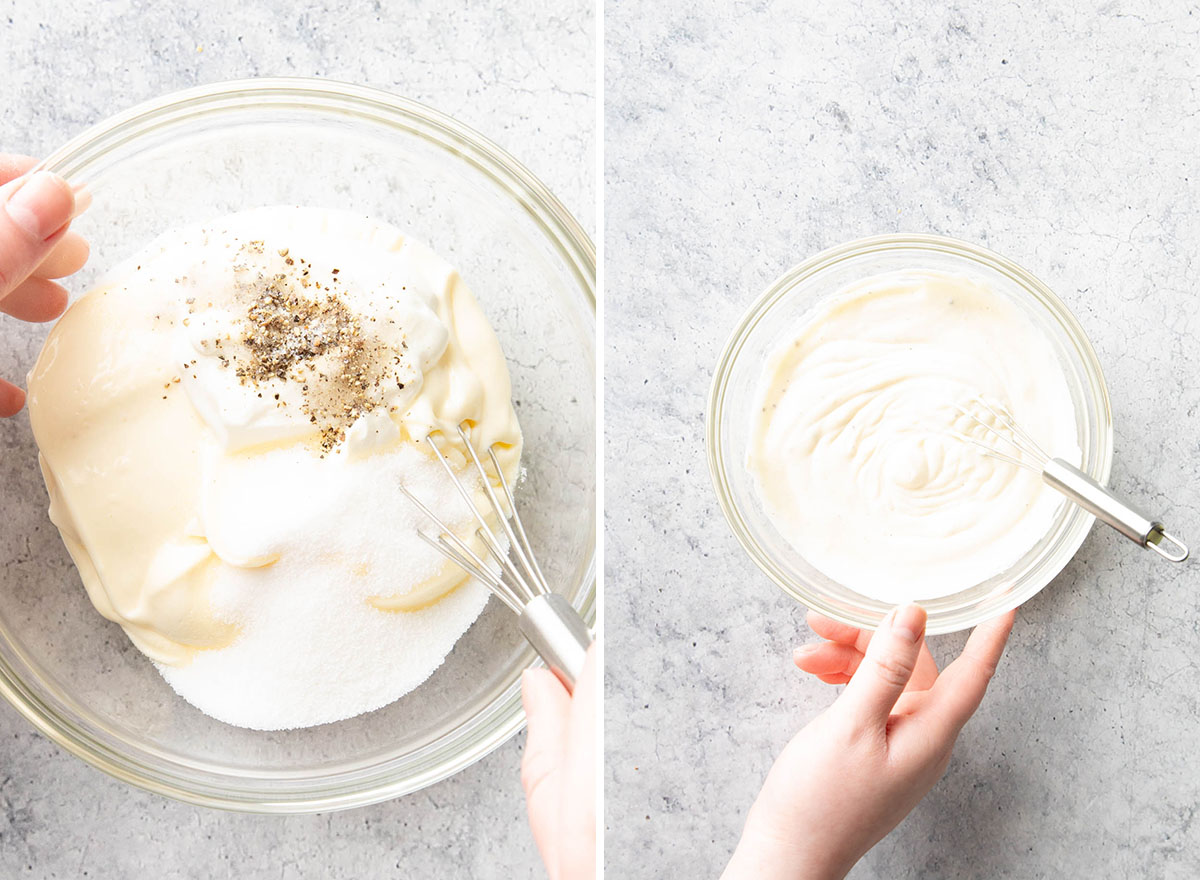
(857, 445)
(157, 393)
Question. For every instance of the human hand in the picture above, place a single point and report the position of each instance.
(854, 772)
(35, 247)
(558, 771)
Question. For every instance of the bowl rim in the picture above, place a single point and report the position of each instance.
(761, 307)
(500, 719)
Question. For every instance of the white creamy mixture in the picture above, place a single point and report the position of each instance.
(223, 424)
(853, 450)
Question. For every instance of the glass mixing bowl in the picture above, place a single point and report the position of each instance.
(775, 315)
(200, 153)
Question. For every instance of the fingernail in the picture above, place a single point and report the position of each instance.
(41, 205)
(83, 200)
(805, 649)
(909, 622)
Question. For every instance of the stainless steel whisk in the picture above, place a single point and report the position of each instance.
(1130, 521)
(547, 620)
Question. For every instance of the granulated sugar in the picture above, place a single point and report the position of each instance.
(312, 649)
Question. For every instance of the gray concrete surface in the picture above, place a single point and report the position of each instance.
(524, 76)
(742, 138)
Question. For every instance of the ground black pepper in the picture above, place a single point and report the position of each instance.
(314, 339)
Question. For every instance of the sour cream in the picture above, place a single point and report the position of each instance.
(857, 443)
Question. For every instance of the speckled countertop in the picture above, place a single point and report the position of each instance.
(524, 76)
(742, 138)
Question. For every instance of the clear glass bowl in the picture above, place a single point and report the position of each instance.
(204, 152)
(776, 314)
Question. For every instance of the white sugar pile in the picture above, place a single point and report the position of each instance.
(312, 649)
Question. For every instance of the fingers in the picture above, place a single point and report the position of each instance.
(34, 247)
(926, 672)
(13, 166)
(67, 257)
(887, 667)
(34, 214)
(36, 300)
(829, 662)
(827, 628)
(834, 678)
(577, 828)
(910, 703)
(547, 706)
(961, 686)
(827, 658)
(12, 399)
(835, 663)
(547, 710)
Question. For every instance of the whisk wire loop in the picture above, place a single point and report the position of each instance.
(460, 553)
(547, 620)
(476, 568)
(515, 546)
(484, 532)
(1079, 487)
(518, 526)
(1018, 438)
(990, 452)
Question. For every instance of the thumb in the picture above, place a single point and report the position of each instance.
(548, 709)
(886, 668)
(35, 213)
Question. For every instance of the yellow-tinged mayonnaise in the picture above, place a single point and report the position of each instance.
(862, 454)
(157, 394)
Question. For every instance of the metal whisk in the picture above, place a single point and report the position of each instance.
(547, 620)
(1072, 482)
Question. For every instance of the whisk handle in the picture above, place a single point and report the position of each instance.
(1131, 522)
(558, 634)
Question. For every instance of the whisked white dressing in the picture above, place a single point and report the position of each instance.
(862, 454)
